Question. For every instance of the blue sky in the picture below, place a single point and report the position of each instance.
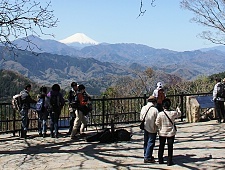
(164, 26)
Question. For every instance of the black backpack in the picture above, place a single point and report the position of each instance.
(123, 135)
(221, 90)
(106, 137)
(54, 102)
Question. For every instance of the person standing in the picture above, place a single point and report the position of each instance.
(41, 108)
(73, 105)
(219, 100)
(167, 130)
(159, 94)
(150, 130)
(26, 101)
(56, 103)
(80, 120)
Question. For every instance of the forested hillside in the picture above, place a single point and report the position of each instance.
(12, 83)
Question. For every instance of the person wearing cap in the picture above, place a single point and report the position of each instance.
(149, 113)
(167, 130)
(73, 105)
(159, 94)
(219, 100)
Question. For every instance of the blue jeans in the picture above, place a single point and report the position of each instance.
(42, 121)
(149, 144)
(24, 117)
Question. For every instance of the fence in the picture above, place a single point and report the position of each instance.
(105, 110)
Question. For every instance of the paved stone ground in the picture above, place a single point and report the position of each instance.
(197, 146)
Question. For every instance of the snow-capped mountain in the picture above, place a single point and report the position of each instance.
(78, 40)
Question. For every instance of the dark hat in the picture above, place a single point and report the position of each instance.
(151, 99)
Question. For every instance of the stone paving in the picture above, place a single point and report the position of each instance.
(197, 146)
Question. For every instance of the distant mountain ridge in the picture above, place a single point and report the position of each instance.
(188, 64)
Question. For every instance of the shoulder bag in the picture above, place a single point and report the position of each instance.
(171, 121)
(142, 125)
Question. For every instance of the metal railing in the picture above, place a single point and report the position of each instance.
(105, 110)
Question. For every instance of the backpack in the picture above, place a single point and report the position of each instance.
(221, 90)
(40, 104)
(54, 102)
(161, 96)
(123, 135)
(86, 109)
(17, 102)
(106, 137)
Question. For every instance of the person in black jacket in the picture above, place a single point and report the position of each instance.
(55, 105)
(73, 105)
(26, 101)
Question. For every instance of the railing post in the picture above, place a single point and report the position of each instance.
(145, 99)
(103, 111)
(182, 106)
(14, 122)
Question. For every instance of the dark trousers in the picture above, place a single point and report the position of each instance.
(54, 118)
(71, 124)
(220, 113)
(162, 141)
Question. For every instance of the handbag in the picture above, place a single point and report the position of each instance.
(142, 125)
(171, 121)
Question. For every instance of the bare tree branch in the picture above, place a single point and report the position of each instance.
(142, 12)
(21, 18)
(209, 13)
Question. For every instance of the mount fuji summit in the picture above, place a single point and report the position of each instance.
(79, 40)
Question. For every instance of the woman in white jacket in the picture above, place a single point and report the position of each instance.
(167, 131)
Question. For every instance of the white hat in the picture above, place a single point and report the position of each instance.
(159, 84)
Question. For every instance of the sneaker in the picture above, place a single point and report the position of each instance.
(56, 136)
(74, 137)
(68, 133)
(40, 134)
(149, 160)
(170, 163)
(83, 135)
